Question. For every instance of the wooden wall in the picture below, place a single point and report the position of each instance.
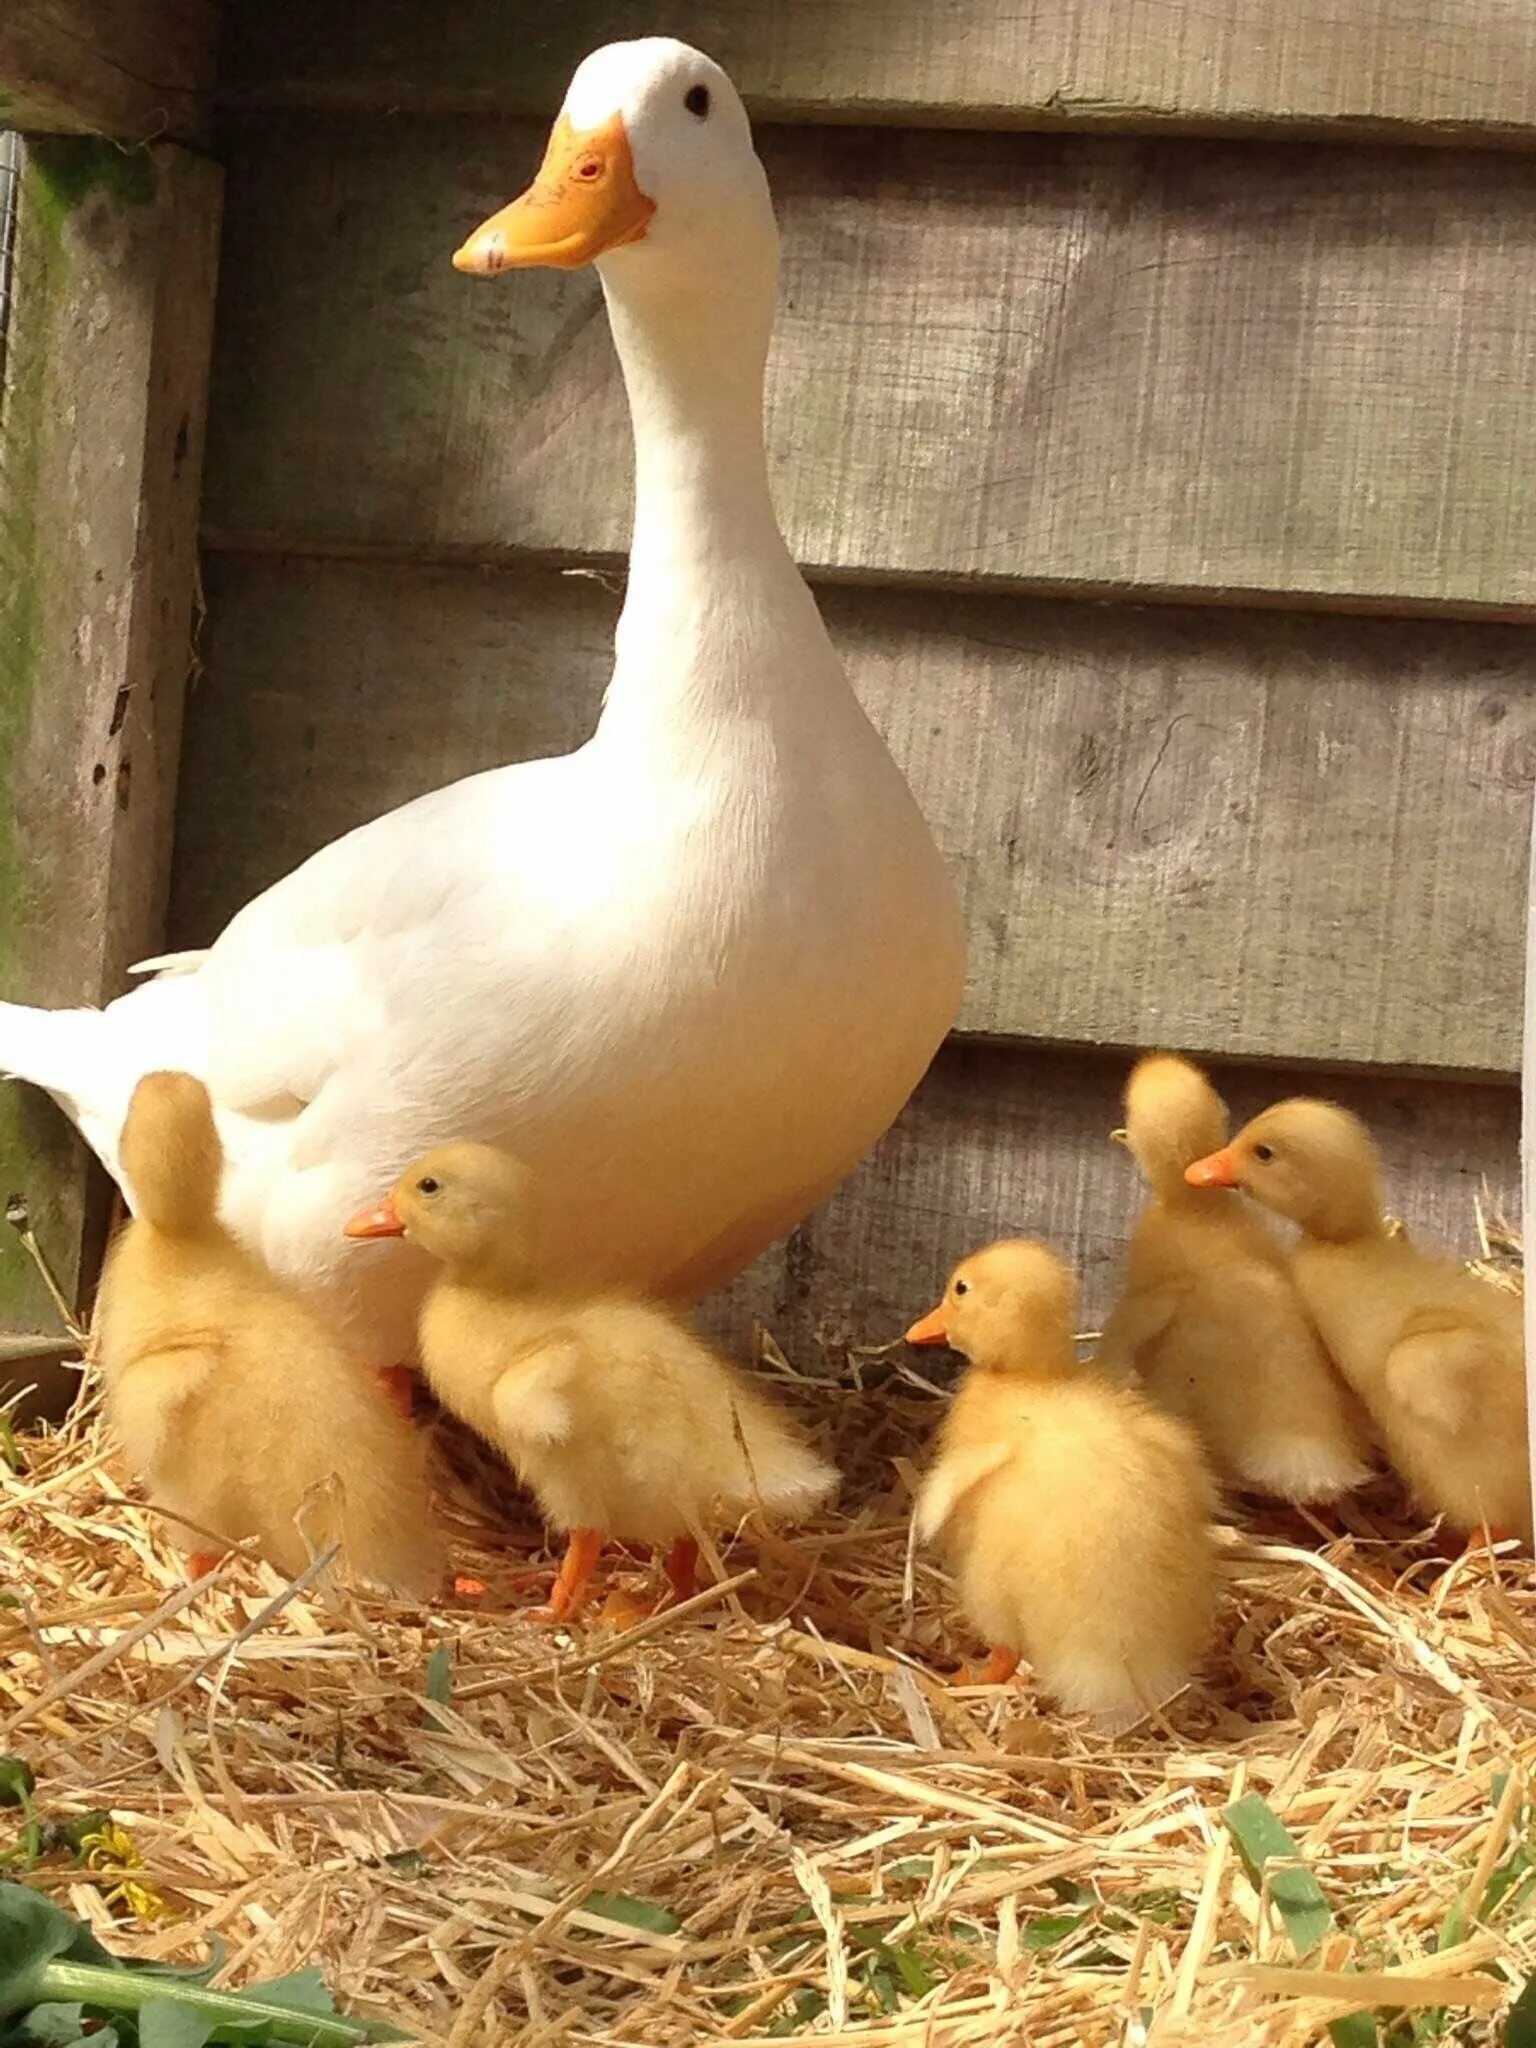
(1153, 409)
(111, 278)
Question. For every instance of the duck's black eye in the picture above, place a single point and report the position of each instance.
(696, 100)
(962, 1287)
(426, 1185)
(1263, 1153)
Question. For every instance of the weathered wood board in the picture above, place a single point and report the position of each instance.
(1253, 834)
(138, 70)
(1004, 1140)
(1090, 365)
(1436, 66)
(100, 451)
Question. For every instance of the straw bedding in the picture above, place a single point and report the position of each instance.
(764, 1814)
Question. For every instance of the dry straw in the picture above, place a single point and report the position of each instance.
(764, 1814)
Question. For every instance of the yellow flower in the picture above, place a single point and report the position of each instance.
(110, 1851)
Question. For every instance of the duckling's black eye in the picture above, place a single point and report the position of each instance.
(962, 1287)
(1263, 1153)
(426, 1185)
(696, 100)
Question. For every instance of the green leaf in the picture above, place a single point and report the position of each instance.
(1355, 2030)
(164, 2025)
(1261, 1840)
(1071, 1894)
(71, 1834)
(18, 1781)
(1047, 1929)
(440, 1675)
(300, 1991)
(631, 1912)
(1520, 2027)
(880, 1984)
(917, 1980)
(53, 2026)
(33, 1932)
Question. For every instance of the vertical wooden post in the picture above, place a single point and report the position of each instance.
(101, 434)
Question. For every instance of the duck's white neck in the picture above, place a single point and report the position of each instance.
(693, 358)
(706, 547)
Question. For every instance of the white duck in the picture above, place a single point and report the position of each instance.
(689, 972)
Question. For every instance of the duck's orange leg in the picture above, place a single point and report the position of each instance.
(570, 1589)
(397, 1383)
(202, 1564)
(682, 1568)
(997, 1670)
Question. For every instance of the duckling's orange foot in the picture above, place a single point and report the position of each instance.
(625, 1610)
(997, 1670)
(1490, 1537)
(467, 1588)
(683, 1569)
(202, 1564)
(570, 1589)
(397, 1383)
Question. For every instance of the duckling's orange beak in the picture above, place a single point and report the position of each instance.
(584, 202)
(933, 1328)
(382, 1220)
(1219, 1170)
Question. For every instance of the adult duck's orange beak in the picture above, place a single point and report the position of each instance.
(1218, 1170)
(932, 1329)
(382, 1220)
(584, 202)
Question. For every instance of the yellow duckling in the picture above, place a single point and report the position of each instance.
(1210, 1319)
(1435, 1354)
(234, 1402)
(1076, 1514)
(621, 1421)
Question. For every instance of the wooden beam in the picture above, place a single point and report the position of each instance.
(1284, 838)
(1421, 69)
(137, 70)
(1001, 1141)
(101, 440)
(1222, 372)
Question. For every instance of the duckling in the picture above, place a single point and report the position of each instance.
(1435, 1354)
(1209, 1318)
(617, 1417)
(234, 1402)
(1075, 1513)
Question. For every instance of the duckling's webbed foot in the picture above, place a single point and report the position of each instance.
(682, 1569)
(997, 1670)
(570, 1589)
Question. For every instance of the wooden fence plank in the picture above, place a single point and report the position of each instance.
(1440, 66)
(1269, 836)
(137, 70)
(100, 451)
(1002, 1140)
(1104, 366)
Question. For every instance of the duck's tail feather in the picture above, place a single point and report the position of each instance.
(53, 1049)
(90, 1061)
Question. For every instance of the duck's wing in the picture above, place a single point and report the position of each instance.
(397, 914)
(951, 1480)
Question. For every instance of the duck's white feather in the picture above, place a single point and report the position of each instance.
(689, 972)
